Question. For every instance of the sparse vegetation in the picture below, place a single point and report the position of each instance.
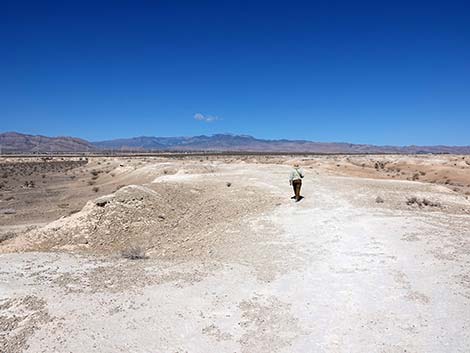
(427, 202)
(421, 202)
(29, 184)
(134, 252)
(379, 165)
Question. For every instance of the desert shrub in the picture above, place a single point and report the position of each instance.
(379, 165)
(94, 172)
(421, 202)
(91, 182)
(134, 252)
(95, 189)
(229, 184)
(378, 199)
(29, 184)
(429, 203)
(413, 201)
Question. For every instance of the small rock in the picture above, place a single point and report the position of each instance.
(8, 211)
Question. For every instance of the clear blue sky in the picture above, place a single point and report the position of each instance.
(381, 72)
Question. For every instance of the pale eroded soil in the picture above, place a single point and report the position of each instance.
(239, 268)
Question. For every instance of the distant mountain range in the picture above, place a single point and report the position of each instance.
(15, 142)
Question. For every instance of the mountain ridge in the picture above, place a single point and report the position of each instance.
(21, 143)
(18, 142)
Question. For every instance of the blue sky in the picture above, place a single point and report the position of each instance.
(355, 71)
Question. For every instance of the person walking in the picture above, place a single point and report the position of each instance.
(295, 179)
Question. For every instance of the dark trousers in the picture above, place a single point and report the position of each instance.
(297, 184)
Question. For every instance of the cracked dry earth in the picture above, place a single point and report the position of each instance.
(337, 272)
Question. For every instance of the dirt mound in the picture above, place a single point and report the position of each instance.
(169, 220)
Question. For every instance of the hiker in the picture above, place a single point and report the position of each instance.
(295, 180)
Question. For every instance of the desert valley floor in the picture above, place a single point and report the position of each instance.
(375, 258)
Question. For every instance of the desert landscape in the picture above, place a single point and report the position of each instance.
(208, 253)
(235, 177)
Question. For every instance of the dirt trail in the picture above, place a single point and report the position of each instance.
(336, 272)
